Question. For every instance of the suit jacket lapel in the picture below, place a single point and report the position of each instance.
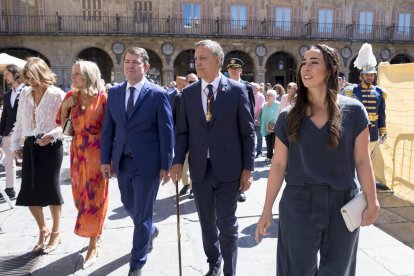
(199, 101)
(121, 101)
(16, 101)
(218, 102)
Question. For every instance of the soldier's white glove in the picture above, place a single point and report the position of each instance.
(382, 138)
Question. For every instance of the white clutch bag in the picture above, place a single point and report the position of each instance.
(352, 211)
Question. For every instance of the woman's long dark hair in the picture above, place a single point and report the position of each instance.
(296, 116)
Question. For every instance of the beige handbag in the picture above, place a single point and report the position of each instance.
(352, 211)
(68, 127)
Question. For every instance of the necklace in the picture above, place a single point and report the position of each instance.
(85, 99)
(35, 105)
(34, 116)
(209, 113)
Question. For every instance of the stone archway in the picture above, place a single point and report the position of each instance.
(102, 59)
(248, 67)
(281, 67)
(400, 58)
(24, 53)
(184, 63)
(156, 66)
(21, 53)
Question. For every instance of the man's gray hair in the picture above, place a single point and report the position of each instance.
(214, 48)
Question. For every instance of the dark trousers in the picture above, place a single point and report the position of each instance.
(311, 222)
(270, 144)
(216, 204)
(259, 139)
(138, 196)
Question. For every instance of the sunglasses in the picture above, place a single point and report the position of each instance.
(190, 82)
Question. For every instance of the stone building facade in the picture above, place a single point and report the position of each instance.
(270, 36)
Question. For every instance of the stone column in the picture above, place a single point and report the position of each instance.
(167, 76)
(118, 73)
(259, 75)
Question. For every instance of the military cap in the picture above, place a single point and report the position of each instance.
(235, 62)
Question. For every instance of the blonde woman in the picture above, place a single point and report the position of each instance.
(42, 150)
(86, 105)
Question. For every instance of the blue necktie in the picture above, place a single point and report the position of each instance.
(130, 104)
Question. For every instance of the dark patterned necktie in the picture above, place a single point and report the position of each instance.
(210, 96)
(130, 104)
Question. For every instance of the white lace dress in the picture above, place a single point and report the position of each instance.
(41, 164)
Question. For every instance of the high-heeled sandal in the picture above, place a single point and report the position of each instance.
(90, 261)
(43, 235)
(54, 241)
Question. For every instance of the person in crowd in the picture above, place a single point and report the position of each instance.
(280, 91)
(288, 98)
(85, 105)
(11, 76)
(42, 150)
(268, 86)
(259, 103)
(267, 122)
(180, 84)
(235, 70)
(320, 142)
(107, 87)
(220, 144)
(138, 140)
(190, 78)
(373, 98)
(172, 92)
(341, 85)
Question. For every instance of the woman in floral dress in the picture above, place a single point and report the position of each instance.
(85, 104)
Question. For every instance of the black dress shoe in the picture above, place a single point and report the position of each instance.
(191, 195)
(184, 189)
(151, 245)
(136, 272)
(379, 185)
(242, 197)
(213, 271)
(258, 155)
(9, 192)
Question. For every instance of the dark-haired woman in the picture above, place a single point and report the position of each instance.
(321, 141)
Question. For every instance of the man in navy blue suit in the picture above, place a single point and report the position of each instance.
(216, 127)
(138, 137)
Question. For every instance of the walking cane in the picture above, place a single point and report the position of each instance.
(178, 225)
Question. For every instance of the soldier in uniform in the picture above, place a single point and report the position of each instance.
(373, 98)
(235, 69)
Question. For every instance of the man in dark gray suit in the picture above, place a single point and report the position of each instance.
(216, 127)
(8, 118)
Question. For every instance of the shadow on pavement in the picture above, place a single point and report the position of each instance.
(120, 213)
(249, 240)
(18, 265)
(63, 266)
(112, 266)
(260, 174)
(164, 208)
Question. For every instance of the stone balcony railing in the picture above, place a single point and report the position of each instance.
(217, 28)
